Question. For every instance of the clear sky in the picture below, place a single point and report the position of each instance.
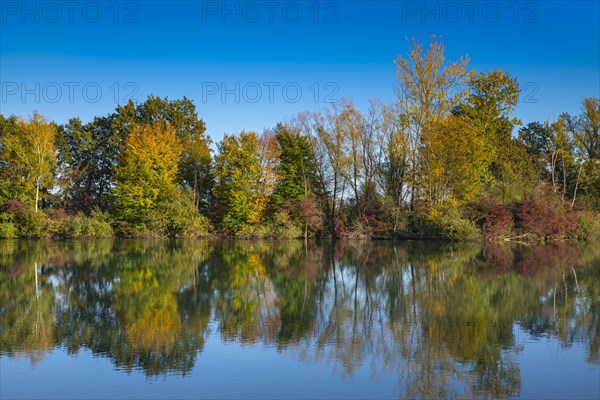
(248, 65)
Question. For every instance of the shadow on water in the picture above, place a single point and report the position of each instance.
(440, 317)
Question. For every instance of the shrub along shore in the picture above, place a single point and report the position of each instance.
(537, 219)
(448, 159)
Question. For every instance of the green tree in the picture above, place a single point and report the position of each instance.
(11, 187)
(87, 155)
(241, 199)
(536, 137)
(296, 169)
(297, 177)
(490, 105)
(552, 150)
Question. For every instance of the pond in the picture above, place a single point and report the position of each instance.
(289, 319)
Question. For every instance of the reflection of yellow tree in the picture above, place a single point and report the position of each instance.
(146, 292)
(155, 289)
(148, 310)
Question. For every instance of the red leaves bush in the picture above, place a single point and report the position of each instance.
(498, 222)
(16, 207)
(340, 229)
(546, 219)
(544, 216)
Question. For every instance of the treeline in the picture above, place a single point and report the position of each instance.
(440, 162)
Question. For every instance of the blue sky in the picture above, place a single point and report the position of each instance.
(251, 64)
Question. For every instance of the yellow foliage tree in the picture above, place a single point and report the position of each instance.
(146, 171)
(429, 88)
(451, 163)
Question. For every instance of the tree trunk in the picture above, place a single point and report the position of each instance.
(552, 167)
(333, 204)
(576, 185)
(564, 178)
(196, 194)
(37, 193)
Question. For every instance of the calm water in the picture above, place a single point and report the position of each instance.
(181, 319)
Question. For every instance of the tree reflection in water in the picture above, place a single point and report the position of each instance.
(441, 317)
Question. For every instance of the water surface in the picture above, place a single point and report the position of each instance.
(183, 319)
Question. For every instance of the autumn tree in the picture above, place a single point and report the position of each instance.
(391, 163)
(337, 130)
(563, 148)
(88, 152)
(490, 105)
(371, 154)
(195, 162)
(453, 156)
(349, 123)
(332, 160)
(88, 155)
(29, 156)
(586, 127)
(269, 158)
(392, 144)
(146, 172)
(428, 89)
